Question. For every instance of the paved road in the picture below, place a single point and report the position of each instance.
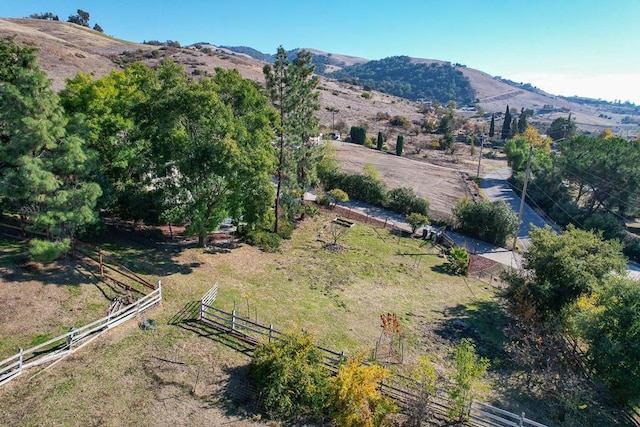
(495, 186)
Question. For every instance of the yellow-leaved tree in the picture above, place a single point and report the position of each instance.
(357, 399)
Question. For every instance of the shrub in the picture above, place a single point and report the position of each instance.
(290, 377)
(265, 240)
(404, 201)
(417, 220)
(338, 196)
(357, 399)
(491, 222)
(457, 261)
(285, 229)
(469, 369)
(45, 251)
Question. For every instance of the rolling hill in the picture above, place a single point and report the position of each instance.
(66, 49)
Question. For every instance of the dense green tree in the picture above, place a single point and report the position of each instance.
(290, 377)
(380, 141)
(211, 145)
(603, 173)
(492, 222)
(612, 332)
(506, 125)
(43, 167)
(492, 126)
(522, 121)
(358, 135)
(405, 201)
(568, 266)
(444, 126)
(514, 127)
(562, 128)
(399, 145)
(107, 107)
(417, 220)
(291, 87)
(466, 384)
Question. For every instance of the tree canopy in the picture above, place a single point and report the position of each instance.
(569, 265)
(44, 169)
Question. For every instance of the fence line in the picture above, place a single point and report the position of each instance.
(90, 257)
(58, 348)
(109, 268)
(402, 390)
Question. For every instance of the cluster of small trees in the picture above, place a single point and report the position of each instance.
(151, 145)
(80, 18)
(400, 76)
(294, 385)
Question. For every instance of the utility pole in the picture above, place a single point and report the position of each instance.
(524, 196)
(480, 157)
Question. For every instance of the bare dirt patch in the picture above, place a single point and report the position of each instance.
(441, 178)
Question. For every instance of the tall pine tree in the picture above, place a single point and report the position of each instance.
(506, 125)
(380, 141)
(492, 126)
(42, 167)
(291, 87)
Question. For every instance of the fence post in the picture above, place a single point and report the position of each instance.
(100, 259)
(20, 357)
(270, 332)
(522, 419)
(202, 316)
(233, 320)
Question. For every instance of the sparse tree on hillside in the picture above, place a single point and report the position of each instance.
(46, 16)
(82, 18)
(506, 125)
(98, 28)
(492, 126)
(380, 141)
(399, 145)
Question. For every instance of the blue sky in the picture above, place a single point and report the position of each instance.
(566, 47)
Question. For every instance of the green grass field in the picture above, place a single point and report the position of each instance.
(123, 378)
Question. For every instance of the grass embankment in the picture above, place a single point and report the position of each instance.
(174, 375)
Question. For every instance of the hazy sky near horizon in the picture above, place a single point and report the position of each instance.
(565, 47)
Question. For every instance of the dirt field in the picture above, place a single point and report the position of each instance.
(441, 178)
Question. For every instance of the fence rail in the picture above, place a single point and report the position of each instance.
(403, 390)
(57, 348)
(111, 269)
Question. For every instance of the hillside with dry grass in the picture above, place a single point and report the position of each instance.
(66, 49)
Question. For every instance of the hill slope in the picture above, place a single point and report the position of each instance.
(65, 49)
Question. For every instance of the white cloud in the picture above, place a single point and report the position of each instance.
(609, 87)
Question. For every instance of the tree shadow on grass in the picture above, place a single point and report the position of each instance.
(482, 321)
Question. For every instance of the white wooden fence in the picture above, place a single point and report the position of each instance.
(60, 347)
(480, 414)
